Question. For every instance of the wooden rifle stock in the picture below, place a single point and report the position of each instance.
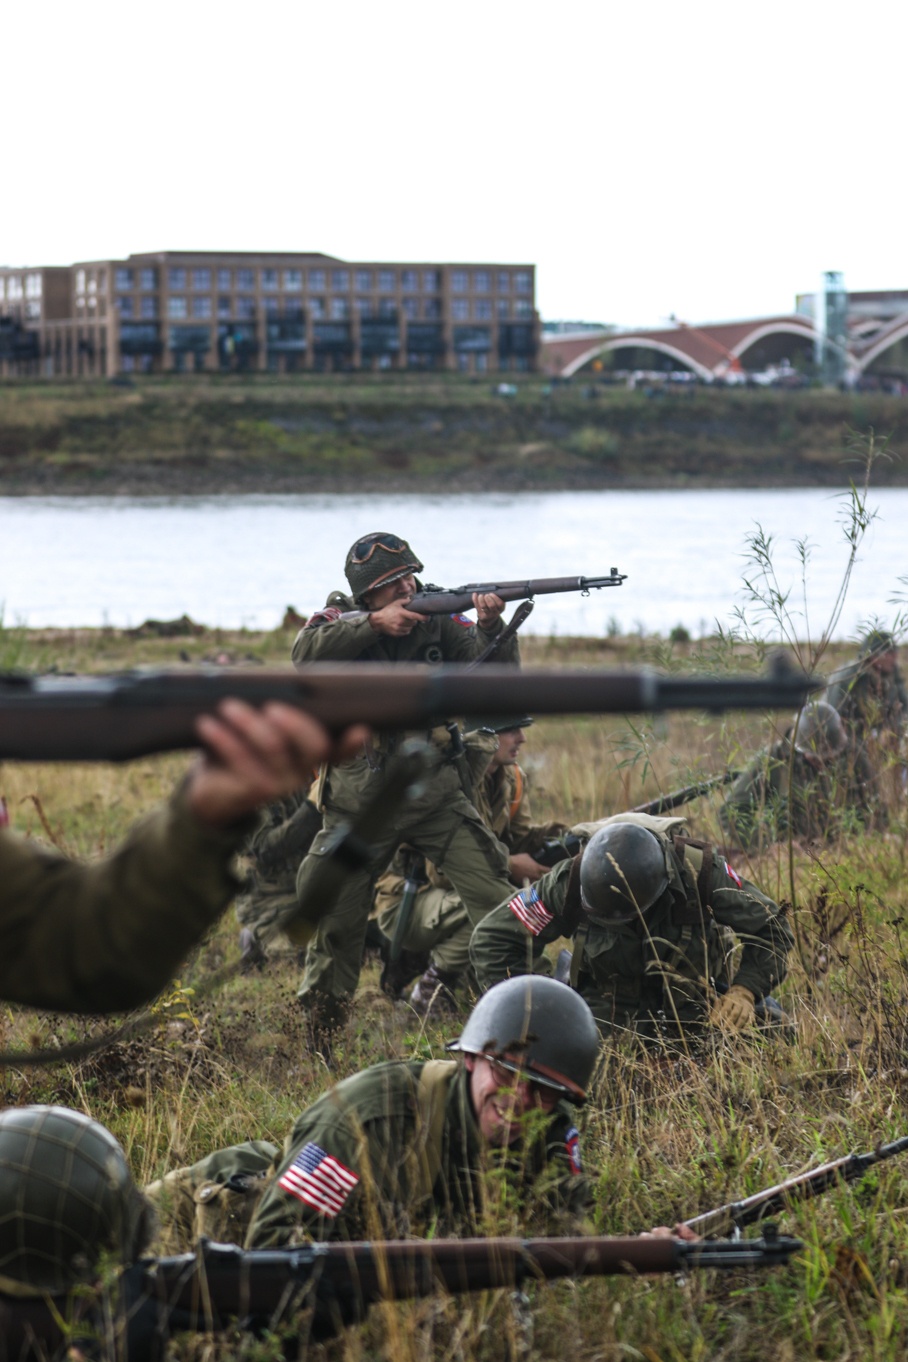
(119, 716)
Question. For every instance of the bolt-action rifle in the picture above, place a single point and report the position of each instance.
(674, 800)
(336, 1283)
(738, 1214)
(437, 600)
(119, 716)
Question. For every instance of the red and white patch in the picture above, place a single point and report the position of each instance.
(462, 619)
(733, 875)
(319, 1180)
(326, 616)
(572, 1146)
(530, 909)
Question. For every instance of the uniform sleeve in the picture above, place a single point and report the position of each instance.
(107, 936)
(758, 922)
(562, 1200)
(338, 641)
(510, 940)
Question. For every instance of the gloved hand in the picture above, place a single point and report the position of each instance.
(734, 1010)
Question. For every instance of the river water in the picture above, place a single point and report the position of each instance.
(235, 561)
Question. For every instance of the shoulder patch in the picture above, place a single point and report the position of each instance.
(733, 875)
(572, 1148)
(319, 1180)
(529, 908)
(326, 616)
(462, 619)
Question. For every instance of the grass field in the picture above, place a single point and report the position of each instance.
(662, 1140)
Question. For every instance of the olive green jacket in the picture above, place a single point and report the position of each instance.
(108, 936)
(642, 975)
(366, 1161)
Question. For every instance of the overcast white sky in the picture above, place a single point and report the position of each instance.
(703, 158)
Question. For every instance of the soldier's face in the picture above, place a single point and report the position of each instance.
(500, 1098)
(401, 590)
(509, 744)
(885, 663)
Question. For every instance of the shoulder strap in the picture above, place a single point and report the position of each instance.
(514, 806)
(699, 857)
(431, 1098)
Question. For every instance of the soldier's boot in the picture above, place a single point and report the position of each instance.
(397, 974)
(434, 991)
(251, 954)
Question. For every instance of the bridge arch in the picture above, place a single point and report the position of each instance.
(628, 341)
(897, 332)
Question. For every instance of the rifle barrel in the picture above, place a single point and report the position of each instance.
(437, 601)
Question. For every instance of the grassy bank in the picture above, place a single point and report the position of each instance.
(662, 1140)
(403, 432)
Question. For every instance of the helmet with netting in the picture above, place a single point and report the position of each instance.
(622, 873)
(66, 1196)
(377, 559)
(819, 727)
(538, 1027)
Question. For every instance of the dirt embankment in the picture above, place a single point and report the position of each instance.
(316, 433)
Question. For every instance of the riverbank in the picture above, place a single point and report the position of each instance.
(322, 433)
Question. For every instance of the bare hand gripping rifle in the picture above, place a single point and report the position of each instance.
(118, 716)
(335, 1283)
(738, 1214)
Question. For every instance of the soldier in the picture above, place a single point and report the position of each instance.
(648, 910)
(440, 924)
(442, 823)
(107, 936)
(805, 782)
(401, 1147)
(870, 695)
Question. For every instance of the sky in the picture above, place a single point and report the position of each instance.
(705, 159)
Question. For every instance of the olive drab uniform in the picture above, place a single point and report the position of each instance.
(813, 796)
(442, 823)
(440, 923)
(393, 1151)
(874, 708)
(285, 833)
(654, 977)
(107, 936)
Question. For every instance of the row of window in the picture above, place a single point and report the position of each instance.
(271, 280)
(338, 309)
(13, 287)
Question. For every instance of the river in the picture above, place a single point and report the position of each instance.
(237, 561)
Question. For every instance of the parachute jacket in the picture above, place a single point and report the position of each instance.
(657, 973)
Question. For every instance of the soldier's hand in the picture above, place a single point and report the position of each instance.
(395, 619)
(522, 867)
(488, 608)
(734, 1010)
(255, 756)
(679, 1232)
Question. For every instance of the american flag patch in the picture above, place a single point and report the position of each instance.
(462, 619)
(318, 1179)
(733, 875)
(572, 1145)
(530, 909)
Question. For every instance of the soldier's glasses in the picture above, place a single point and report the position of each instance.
(363, 549)
(543, 1096)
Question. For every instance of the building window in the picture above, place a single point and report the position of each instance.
(123, 281)
(482, 310)
(523, 308)
(431, 281)
(409, 281)
(316, 279)
(148, 280)
(481, 281)
(317, 307)
(364, 280)
(33, 286)
(431, 309)
(387, 281)
(339, 309)
(522, 282)
(176, 308)
(201, 282)
(33, 309)
(245, 307)
(363, 307)
(201, 307)
(245, 279)
(502, 308)
(293, 280)
(102, 282)
(504, 281)
(149, 305)
(124, 307)
(269, 280)
(463, 363)
(482, 363)
(272, 307)
(460, 309)
(410, 309)
(80, 282)
(176, 279)
(460, 281)
(387, 307)
(225, 280)
(224, 308)
(340, 280)
(14, 288)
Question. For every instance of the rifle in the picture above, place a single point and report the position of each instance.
(118, 716)
(738, 1214)
(557, 849)
(663, 803)
(437, 600)
(337, 1282)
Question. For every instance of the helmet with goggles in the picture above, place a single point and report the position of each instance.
(376, 560)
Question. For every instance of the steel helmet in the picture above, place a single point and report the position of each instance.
(66, 1195)
(377, 559)
(622, 873)
(819, 727)
(536, 1026)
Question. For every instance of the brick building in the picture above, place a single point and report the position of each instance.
(283, 313)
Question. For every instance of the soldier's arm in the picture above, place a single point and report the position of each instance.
(760, 925)
(563, 1192)
(335, 640)
(510, 940)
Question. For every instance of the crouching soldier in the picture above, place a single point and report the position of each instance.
(654, 917)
